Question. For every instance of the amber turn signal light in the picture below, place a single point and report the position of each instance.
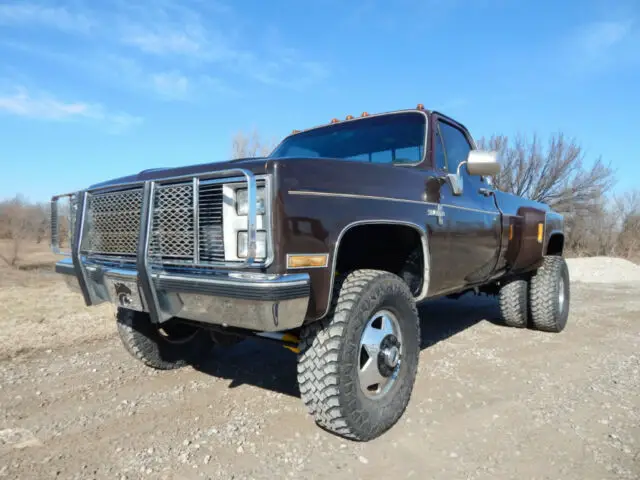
(308, 260)
(540, 232)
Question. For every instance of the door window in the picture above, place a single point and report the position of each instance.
(456, 146)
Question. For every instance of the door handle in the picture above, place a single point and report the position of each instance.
(486, 192)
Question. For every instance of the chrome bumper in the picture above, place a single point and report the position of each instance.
(254, 301)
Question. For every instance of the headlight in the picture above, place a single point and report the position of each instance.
(261, 244)
(242, 206)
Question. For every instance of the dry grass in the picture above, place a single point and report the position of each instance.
(40, 312)
(31, 256)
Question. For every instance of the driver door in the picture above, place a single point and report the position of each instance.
(472, 218)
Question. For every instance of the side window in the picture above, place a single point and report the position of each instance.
(455, 144)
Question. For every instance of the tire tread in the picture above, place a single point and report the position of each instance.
(543, 295)
(513, 303)
(318, 360)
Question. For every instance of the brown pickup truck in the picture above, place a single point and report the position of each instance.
(326, 246)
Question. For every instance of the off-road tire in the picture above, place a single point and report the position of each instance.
(513, 303)
(544, 295)
(146, 342)
(328, 358)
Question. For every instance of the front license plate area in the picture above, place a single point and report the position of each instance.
(125, 293)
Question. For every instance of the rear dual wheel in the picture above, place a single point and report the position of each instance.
(549, 295)
(540, 301)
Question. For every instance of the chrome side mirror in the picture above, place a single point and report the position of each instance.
(482, 162)
(479, 162)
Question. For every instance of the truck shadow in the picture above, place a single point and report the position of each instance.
(267, 365)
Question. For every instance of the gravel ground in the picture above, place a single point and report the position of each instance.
(489, 402)
(603, 270)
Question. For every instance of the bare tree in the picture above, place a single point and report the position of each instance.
(628, 211)
(20, 222)
(250, 145)
(555, 175)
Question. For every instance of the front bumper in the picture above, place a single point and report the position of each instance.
(254, 301)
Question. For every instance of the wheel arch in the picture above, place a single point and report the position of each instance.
(555, 244)
(424, 240)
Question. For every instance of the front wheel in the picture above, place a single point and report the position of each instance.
(166, 347)
(356, 368)
(549, 295)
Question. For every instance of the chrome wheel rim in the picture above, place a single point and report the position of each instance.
(379, 354)
(561, 294)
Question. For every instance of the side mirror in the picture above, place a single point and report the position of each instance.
(478, 162)
(483, 163)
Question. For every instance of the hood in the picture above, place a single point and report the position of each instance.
(256, 165)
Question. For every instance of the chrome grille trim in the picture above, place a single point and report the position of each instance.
(147, 270)
(196, 220)
(186, 222)
(63, 216)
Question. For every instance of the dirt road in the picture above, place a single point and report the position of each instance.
(489, 402)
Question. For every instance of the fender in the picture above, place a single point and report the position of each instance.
(425, 253)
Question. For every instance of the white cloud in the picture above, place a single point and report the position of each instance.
(597, 38)
(55, 17)
(171, 42)
(171, 84)
(195, 38)
(23, 104)
(601, 46)
(44, 106)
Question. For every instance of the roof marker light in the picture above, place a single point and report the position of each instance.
(364, 114)
(295, 131)
(420, 106)
(334, 120)
(349, 117)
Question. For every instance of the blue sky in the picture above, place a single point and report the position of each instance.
(92, 90)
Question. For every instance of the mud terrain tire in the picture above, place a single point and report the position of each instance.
(330, 358)
(549, 295)
(513, 303)
(173, 346)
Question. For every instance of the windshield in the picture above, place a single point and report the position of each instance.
(392, 138)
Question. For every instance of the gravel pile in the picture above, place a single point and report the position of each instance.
(603, 270)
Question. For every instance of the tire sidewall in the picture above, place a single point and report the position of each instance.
(562, 315)
(385, 292)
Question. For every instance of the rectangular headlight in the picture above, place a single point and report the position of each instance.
(261, 244)
(242, 207)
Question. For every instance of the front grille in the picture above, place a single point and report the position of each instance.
(173, 233)
(113, 223)
(211, 236)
